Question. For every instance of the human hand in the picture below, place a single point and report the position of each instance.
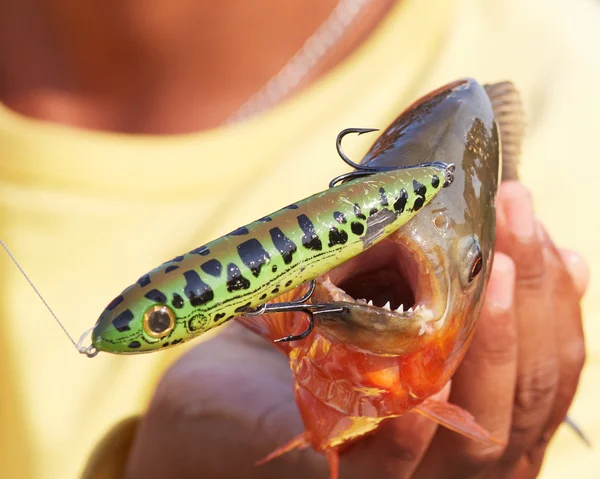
(229, 401)
(521, 372)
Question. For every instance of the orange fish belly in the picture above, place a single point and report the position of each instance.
(343, 394)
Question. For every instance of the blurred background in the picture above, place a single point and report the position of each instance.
(132, 131)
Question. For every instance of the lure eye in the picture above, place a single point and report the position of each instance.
(476, 268)
(159, 321)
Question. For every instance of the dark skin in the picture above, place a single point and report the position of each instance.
(229, 400)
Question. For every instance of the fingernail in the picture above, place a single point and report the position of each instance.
(501, 288)
(578, 269)
(518, 209)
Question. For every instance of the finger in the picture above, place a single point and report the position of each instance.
(396, 448)
(537, 375)
(569, 333)
(484, 384)
(516, 234)
(578, 269)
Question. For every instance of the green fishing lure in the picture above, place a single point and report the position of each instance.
(233, 275)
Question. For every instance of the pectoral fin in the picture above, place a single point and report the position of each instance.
(299, 442)
(455, 419)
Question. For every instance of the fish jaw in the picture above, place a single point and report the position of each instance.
(391, 301)
(407, 292)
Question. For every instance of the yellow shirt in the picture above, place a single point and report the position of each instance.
(87, 213)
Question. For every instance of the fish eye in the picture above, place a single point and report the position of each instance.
(159, 321)
(469, 258)
(476, 268)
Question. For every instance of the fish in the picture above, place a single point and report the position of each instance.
(411, 303)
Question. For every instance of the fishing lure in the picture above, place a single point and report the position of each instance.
(240, 272)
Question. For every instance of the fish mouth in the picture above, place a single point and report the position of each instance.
(393, 286)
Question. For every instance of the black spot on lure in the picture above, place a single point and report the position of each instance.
(243, 270)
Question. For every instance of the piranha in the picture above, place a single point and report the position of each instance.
(408, 305)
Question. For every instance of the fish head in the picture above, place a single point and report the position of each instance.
(425, 283)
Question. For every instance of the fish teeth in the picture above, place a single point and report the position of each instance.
(387, 306)
(400, 308)
(370, 303)
(410, 310)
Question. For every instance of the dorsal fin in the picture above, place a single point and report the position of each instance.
(510, 116)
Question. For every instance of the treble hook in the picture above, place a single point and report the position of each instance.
(282, 307)
(363, 170)
(304, 334)
(310, 310)
(296, 306)
(338, 146)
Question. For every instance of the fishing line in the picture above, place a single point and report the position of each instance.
(88, 351)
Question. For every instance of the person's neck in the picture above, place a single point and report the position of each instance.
(154, 67)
